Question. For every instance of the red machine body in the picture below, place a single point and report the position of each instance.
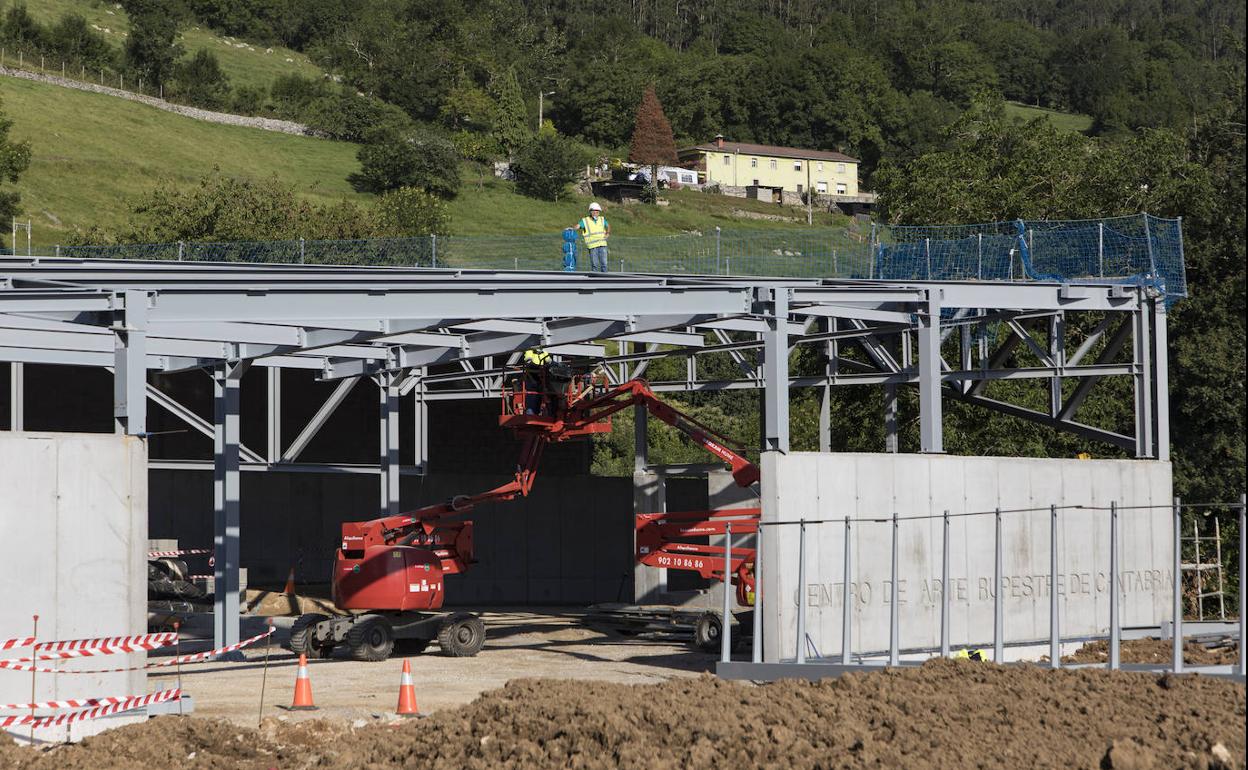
(397, 563)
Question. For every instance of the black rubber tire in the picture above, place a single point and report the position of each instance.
(370, 639)
(302, 639)
(707, 631)
(461, 635)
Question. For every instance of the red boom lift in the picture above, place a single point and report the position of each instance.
(389, 572)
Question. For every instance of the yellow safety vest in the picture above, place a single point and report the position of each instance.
(535, 356)
(595, 231)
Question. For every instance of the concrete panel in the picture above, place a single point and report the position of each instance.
(825, 488)
(73, 524)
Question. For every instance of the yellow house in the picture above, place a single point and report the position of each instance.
(738, 164)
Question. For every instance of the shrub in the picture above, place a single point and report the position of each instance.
(200, 81)
(410, 211)
(293, 93)
(247, 100)
(354, 117)
(413, 159)
(546, 166)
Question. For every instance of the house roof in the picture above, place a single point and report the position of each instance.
(744, 148)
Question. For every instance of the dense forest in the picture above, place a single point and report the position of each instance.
(915, 88)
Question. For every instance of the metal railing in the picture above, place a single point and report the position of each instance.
(849, 657)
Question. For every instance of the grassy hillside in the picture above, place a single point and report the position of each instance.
(93, 155)
(1067, 120)
(245, 63)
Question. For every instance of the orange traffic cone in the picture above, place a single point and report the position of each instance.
(289, 590)
(407, 694)
(303, 688)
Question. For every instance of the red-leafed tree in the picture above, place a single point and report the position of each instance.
(652, 143)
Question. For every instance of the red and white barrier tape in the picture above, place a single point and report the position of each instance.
(192, 658)
(160, 640)
(134, 644)
(171, 554)
(128, 704)
(64, 704)
(8, 644)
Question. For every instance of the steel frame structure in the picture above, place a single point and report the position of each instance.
(433, 335)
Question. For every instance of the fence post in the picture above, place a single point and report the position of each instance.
(1055, 628)
(1100, 247)
(1115, 633)
(979, 257)
(181, 250)
(847, 604)
(756, 631)
(725, 633)
(944, 589)
(894, 616)
(927, 250)
(717, 249)
(871, 253)
(801, 591)
(1243, 603)
(301, 251)
(998, 601)
(433, 247)
(1176, 627)
(58, 249)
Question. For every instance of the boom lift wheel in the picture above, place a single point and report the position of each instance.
(706, 632)
(461, 635)
(303, 637)
(371, 638)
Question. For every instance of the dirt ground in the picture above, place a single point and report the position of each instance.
(1157, 651)
(946, 714)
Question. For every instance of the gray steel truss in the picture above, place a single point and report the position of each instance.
(436, 335)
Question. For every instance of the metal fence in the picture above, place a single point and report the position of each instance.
(1135, 250)
(806, 653)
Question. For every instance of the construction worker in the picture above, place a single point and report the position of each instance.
(569, 250)
(535, 362)
(969, 654)
(595, 230)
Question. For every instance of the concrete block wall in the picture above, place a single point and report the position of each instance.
(73, 534)
(815, 486)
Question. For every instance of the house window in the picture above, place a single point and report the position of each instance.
(797, 165)
(840, 168)
(772, 163)
(688, 178)
(821, 187)
(820, 166)
(727, 160)
(753, 162)
(840, 188)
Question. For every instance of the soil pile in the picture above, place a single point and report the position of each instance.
(946, 714)
(1157, 651)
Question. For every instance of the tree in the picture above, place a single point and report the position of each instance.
(411, 159)
(14, 159)
(73, 38)
(510, 122)
(150, 48)
(652, 143)
(546, 166)
(200, 81)
(410, 211)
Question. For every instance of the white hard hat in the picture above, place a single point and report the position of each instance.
(595, 207)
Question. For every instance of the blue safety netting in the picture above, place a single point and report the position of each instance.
(1138, 250)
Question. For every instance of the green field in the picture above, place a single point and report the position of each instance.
(1067, 120)
(94, 155)
(245, 63)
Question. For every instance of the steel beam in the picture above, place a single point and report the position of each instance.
(130, 365)
(1110, 352)
(1161, 380)
(273, 415)
(318, 421)
(1142, 382)
(776, 372)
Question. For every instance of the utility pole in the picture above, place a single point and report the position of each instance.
(810, 197)
(541, 95)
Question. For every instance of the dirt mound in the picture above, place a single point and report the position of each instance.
(1157, 651)
(947, 714)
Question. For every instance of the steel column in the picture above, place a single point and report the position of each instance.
(1143, 384)
(226, 382)
(847, 600)
(420, 424)
(930, 431)
(998, 600)
(130, 365)
(1161, 381)
(388, 429)
(1057, 354)
(1055, 620)
(273, 392)
(17, 396)
(756, 652)
(890, 418)
(944, 588)
(725, 625)
(894, 614)
(776, 373)
(1115, 629)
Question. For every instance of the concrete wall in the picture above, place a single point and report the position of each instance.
(73, 541)
(569, 542)
(818, 486)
